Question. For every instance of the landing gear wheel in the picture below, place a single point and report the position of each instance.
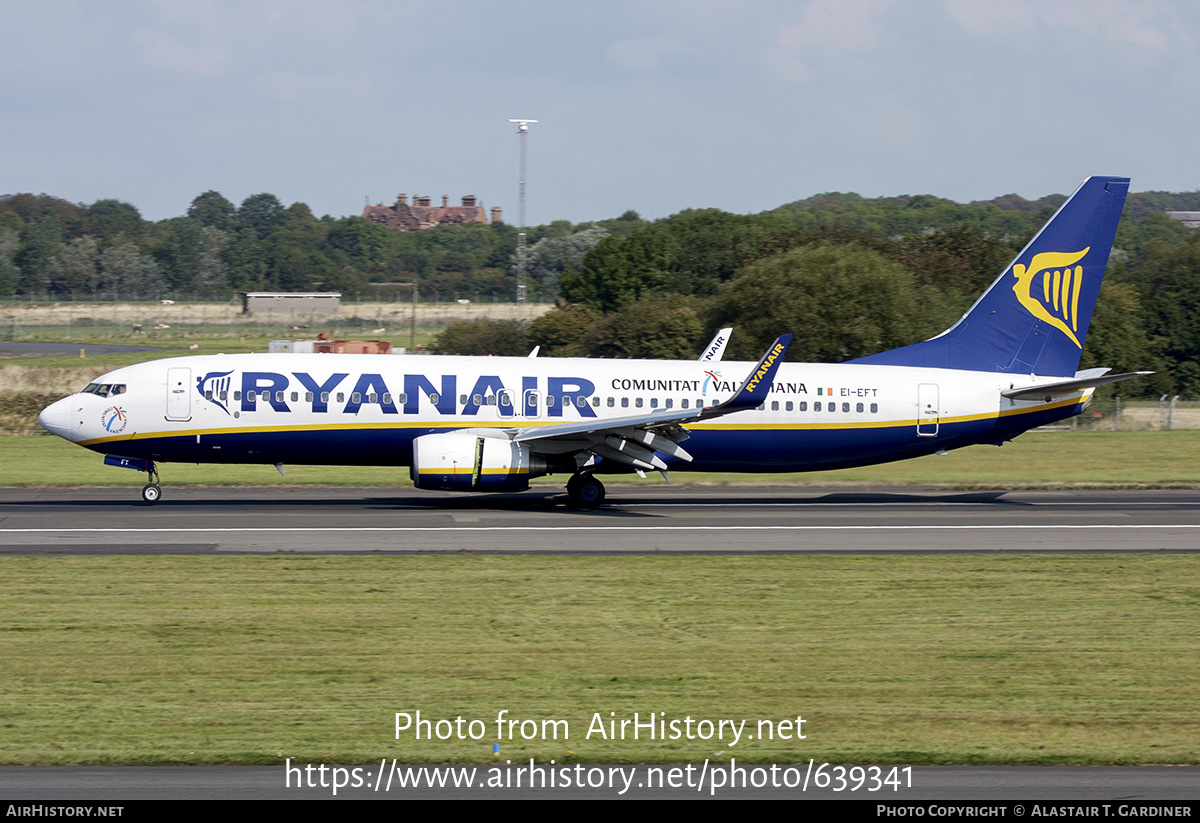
(585, 491)
(151, 493)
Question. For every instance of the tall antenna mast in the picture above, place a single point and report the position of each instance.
(523, 132)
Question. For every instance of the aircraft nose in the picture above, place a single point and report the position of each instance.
(56, 418)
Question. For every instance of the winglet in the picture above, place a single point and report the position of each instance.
(756, 388)
(716, 348)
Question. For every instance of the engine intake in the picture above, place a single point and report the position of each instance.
(461, 461)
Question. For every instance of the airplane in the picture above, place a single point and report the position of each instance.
(490, 424)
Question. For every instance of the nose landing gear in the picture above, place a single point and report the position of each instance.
(151, 492)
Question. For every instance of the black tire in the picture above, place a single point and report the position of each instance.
(585, 491)
(151, 493)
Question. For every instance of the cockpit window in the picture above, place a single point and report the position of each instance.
(104, 389)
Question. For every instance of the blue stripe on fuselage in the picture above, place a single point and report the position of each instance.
(727, 449)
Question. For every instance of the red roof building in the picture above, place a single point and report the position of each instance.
(421, 214)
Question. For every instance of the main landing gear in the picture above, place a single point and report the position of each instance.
(585, 491)
(151, 492)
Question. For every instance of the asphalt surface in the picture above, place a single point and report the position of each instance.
(1121, 787)
(633, 521)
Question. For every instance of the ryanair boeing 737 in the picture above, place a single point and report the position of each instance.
(492, 423)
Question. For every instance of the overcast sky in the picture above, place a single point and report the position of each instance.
(654, 105)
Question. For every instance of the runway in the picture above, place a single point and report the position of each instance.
(652, 520)
(1128, 789)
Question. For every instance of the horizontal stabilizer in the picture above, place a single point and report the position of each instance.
(1050, 390)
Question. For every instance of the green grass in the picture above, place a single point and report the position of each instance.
(910, 660)
(1036, 460)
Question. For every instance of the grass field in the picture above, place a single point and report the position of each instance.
(1158, 459)
(909, 660)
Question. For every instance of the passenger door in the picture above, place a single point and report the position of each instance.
(179, 395)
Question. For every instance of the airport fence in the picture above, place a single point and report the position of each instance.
(80, 321)
(1124, 414)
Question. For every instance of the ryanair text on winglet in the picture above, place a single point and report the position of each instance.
(752, 383)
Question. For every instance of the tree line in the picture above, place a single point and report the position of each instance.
(848, 275)
(54, 248)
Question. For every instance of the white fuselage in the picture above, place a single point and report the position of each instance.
(367, 409)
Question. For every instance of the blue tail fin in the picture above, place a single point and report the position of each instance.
(1033, 319)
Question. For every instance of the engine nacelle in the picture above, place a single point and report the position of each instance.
(462, 461)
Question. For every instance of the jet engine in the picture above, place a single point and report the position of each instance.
(463, 461)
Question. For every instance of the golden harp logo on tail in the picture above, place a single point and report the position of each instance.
(1058, 287)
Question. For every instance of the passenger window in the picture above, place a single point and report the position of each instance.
(225, 395)
(774, 405)
(549, 400)
(624, 402)
(669, 402)
(356, 397)
(278, 397)
(491, 399)
(804, 405)
(859, 407)
(462, 400)
(295, 396)
(324, 397)
(402, 399)
(874, 408)
(237, 395)
(249, 395)
(654, 402)
(684, 403)
(308, 397)
(760, 406)
(788, 407)
(478, 399)
(372, 398)
(832, 407)
(208, 394)
(435, 398)
(596, 401)
(845, 407)
(341, 397)
(504, 401)
(817, 406)
(580, 401)
(612, 402)
(638, 402)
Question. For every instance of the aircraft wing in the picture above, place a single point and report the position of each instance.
(1083, 380)
(633, 440)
